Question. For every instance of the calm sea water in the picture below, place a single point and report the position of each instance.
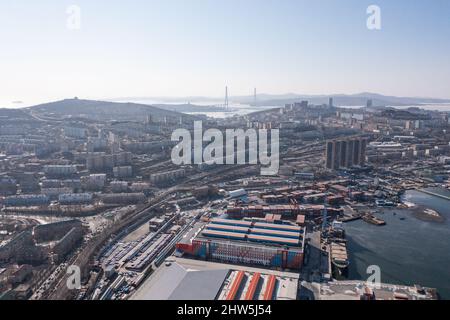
(235, 110)
(408, 252)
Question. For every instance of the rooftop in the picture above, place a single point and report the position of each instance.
(185, 279)
(258, 233)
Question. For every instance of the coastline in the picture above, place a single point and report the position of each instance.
(405, 249)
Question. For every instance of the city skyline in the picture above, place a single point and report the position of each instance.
(179, 49)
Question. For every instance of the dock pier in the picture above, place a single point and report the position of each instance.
(431, 193)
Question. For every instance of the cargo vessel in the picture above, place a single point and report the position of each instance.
(339, 259)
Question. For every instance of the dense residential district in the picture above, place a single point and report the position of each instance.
(94, 187)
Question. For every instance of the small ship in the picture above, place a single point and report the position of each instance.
(369, 218)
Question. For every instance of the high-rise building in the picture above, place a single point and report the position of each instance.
(345, 153)
(330, 102)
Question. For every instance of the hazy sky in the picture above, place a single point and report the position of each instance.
(196, 47)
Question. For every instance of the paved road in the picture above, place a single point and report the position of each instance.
(311, 270)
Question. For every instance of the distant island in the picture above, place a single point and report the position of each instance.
(104, 110)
